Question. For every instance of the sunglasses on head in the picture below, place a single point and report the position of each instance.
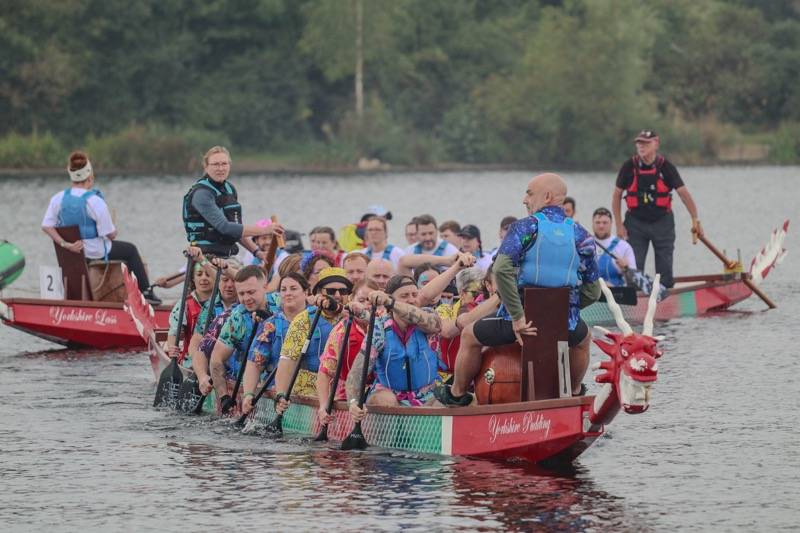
(330, 291)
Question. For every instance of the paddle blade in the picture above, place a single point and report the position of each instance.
(356, 440)
(168, 385)
(275, 428)
(190, 399)
(323, 434)
(242, 420)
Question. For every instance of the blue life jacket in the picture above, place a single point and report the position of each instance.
(553, 259)
(315, 348)
(73, 212)
(438, 251)
(390, 367)
(387, 252)
(608, 270)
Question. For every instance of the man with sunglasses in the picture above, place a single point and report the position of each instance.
(331, 293)
(614, 254)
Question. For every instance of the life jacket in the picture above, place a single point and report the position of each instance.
(553, 259)
(198, 231)
(193, 310)
(387, 252)
(438, 251)
(311, 361)
(648, 186)
(608, 270)
(73, 212)
(399, 361)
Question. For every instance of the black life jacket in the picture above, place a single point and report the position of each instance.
(202, 234)
(648, 187)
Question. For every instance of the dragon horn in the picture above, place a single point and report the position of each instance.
(647, 328)
(615, 309)
(602, 330)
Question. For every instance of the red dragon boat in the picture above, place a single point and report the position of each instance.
(77, 323)
(556, 429)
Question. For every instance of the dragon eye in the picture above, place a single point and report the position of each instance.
(624, 352)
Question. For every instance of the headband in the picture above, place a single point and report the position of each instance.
(82, 174)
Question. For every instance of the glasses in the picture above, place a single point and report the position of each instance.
(331, 291)
(219, 165)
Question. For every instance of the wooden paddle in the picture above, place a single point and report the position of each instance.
(639, 279)
(730, 265)
(356, 440)
(228, 402)
(171, 376)
(276, 426)
(277, 242)
(239, 423)
(343, 350)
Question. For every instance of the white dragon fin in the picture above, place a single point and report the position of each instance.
(770, 255)
(615, 309)
(647, 327)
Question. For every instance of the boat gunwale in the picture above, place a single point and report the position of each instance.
(74, 303)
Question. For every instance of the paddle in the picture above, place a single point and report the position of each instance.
(264, 387)
(637, 278)
(190, 399)
(356, 440)
(343, 349)
(228, 402)
(276, 426)
(171, 376)
(730, 264)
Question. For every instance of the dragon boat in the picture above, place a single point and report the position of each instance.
(701, 294)
(555, 429)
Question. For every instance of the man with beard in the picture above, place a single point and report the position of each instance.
(612, 269)
(427, 239)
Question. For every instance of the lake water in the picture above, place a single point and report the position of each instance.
(81, 448)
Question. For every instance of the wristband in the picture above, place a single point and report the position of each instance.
(63, 243)
(353, 400)
(248, 395)
(204, 262)
(280, 396)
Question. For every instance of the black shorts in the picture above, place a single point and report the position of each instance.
(497, 331)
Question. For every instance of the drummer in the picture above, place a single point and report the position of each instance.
(83, 205)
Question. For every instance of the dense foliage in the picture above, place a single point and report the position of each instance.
(148, 84)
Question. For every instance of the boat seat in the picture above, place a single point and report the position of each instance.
(74, 271)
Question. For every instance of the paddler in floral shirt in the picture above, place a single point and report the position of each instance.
(332, 292)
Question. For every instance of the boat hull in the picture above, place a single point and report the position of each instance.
(532, 431)
(685, 301)
(77, 324)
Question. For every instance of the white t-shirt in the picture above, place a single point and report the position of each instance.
(484, 262)
(622, 250)
(448, 250)
(97, 209)
(394, 256)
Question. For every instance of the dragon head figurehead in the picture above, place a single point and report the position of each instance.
(629, 373)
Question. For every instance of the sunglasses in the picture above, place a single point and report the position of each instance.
(330, 291)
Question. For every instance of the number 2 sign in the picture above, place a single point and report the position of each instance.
(51, 284)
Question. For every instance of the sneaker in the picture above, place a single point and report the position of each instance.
(443, 394)
(151, 298)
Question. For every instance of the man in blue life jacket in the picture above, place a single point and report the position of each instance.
(212, 214)
(377, 241)
(648, 179)
(84, 206)
(614, 255)
(428, 241)
(545, 249)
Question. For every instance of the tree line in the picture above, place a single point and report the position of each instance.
(326, 82)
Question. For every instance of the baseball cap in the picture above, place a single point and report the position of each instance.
(646, 135)
(470, 231)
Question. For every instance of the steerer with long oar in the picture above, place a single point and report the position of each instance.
(276, 426)
(731, 264)
(171, 377)
(343, 349)
(356, 440)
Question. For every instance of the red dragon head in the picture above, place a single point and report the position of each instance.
(632, 369)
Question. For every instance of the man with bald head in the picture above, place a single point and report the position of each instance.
(544, 249)
(380, 272)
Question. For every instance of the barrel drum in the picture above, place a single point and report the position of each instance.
(106, 281)
(501, 374)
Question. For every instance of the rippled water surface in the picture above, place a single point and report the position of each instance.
(81, 448)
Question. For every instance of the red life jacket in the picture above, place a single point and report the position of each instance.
(193, 310)
(648, 187)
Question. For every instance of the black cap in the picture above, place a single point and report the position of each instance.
(646, 135)
(470, 231)
(293, 240)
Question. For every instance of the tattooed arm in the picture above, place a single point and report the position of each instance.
(428, 321)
